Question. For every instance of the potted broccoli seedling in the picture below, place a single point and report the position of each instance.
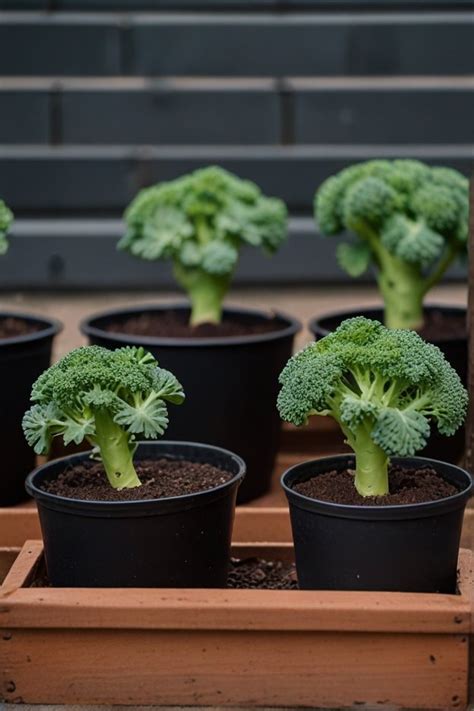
(381, 518)
(126, 513)
(200, 223)
(25, 351)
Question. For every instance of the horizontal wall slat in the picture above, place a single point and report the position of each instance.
(101, 178)
(258, 44)
(59, 254)
(226, 5)
(315, 44)
(386, 115)
(236, 111)
(24, 116)
(171, 115)
(40, 45)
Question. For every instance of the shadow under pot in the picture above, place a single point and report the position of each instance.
(404, 548)
(25, 352)
(230, 381)
(445, 327)
(180, 541)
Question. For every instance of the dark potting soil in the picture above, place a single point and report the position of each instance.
(407, 486)
(440, 326)
(160, 478)
(11, 327)
(259, 574)
(174, 324)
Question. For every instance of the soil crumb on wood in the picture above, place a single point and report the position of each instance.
(174, 324)
(407, 486)
(440, 326)
(11, 327)
(160, 478)
(259, 574)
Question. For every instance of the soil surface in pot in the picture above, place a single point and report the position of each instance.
(160, 478)
(440, 326)
(174, 324)
(260, 574)
(11, 327)
(407, 486)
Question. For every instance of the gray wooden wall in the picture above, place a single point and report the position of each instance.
(99, 98)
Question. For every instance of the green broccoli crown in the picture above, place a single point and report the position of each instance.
(127, 383)
(201, 220)
(6, 219)
(413, 209)
(389, 381)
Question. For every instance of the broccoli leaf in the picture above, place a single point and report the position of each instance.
(149, 418)
(38, 424)
(401, 432)
(354, 258)
(167, 386)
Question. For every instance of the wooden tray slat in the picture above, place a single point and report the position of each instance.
(131, 608)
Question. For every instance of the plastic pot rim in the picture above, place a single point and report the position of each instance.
(373, 513)
(52, 327)
(140, 507)
(87, 327)
(314, 324)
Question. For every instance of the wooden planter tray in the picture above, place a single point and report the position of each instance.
(233, 647)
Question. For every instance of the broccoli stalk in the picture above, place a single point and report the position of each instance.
(6, 218)
(104, 397)
(116, 451)
(383, 387)
(410, 221)
(206, 290)
(200, 222)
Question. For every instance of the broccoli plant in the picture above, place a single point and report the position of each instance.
(6, 218)
(104, 397)
(200, 222)
(383, 387)
(410, 221)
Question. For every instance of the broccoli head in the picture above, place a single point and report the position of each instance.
(200, 222)
(383, 387)
(410, 221)
(107, 398)
(6, 218)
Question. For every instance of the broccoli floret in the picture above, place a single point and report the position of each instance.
(104, 397)
(383, 387)
(200, 222)
(6, 218)
(410, 221)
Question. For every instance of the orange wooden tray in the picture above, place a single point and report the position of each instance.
(233, 647)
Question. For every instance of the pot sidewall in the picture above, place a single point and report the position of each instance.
(22, 360)
(181, 541)
(231, 387)
(410, 548)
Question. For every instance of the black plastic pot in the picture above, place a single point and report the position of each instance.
(231, 385)
(409, 548)
(179, 541)
(450, 449)
(22, 360)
